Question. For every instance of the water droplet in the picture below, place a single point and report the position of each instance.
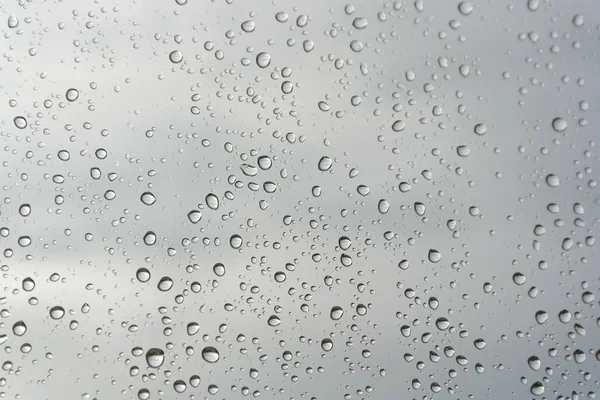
(248, 26)
(404, 187)
(539, 230)
(219, 269)
(194, 216)
(519, 278)
(24, 241)
(336, 313)
(533, 5)
(433, 303)
(165, 284)
(280, 277)
(567, 244)
(195, 381)
(20, 122)
(344, 242)
(363, 190)
(25, 210)
(210, 354)
(28, 284)
(192, 328)
(265, 162)
(480, 129)
(360, 23)
(327, 344)
(463, 151)
(434, 256)
(57, 312)
(263, 60)
(356, 46)
(249, 170)
(143, 275)
(273, 321)
(212, 201)
(176, 56)
(419, 209)
(149, 238)
(235, 241)
(383, 206)
(442, 323)
(579, 356)
(13, 21)
(552, 180)
(19, 328)
(325, 163)
(155, 357)
(72, 94)
(559, 124)
(541, 317)
(63, 155)
(465, 7)
(537, 389)
(398, 126)
(534, 363)
(564, 316)
(323, 106)
(281, 16)
(148, 198)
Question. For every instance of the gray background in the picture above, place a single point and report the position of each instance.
(526, 68)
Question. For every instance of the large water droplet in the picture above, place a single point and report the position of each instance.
(210, 354)
(336, 313)
(19, 328)
(143, 275)
(212, 201)
(327, 344)
(149, 238)
(57, 312)
(325, 163)
(176, 56)
(236, 241)
(434, 256)
(165, 284)
(263, 60)
(559, 124)
(148, 198)
(13, 21)
(194, 216)
(72, 94)
(552, 180)
(155, 357)
(20, 122)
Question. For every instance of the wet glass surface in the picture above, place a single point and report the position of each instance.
(299, 200)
